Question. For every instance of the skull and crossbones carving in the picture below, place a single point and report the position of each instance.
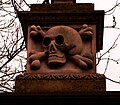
(61, 43)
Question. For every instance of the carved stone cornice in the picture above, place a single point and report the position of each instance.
(60, 76)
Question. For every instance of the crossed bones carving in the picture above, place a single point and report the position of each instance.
(61, 43)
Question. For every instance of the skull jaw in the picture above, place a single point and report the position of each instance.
(55, 61)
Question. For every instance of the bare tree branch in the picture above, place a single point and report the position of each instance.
(112, 9)
(112, 47)
(112, 80)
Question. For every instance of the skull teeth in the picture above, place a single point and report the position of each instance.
(55, 56)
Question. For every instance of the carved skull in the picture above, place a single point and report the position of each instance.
(61, 40)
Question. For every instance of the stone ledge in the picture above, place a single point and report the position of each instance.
(59, 83)
(91, 98)
(63, 8)
(60, 76)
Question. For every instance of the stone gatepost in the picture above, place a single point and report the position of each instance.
(62, 39)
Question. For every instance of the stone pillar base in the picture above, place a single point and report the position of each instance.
(59, 83)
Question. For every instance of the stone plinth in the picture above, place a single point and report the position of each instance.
(60, 83)
(62, 39)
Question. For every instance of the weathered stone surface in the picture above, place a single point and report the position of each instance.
(74, 15)
(61, 49)
(63, 8)
(60, 83)
(61, 40)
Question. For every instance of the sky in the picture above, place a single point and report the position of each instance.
(110, 35)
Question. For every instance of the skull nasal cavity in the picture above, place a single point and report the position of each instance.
(52, 48)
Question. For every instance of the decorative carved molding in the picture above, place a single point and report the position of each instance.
(60, 76)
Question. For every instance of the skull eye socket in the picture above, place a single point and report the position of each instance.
(59, 39)
(46, 41)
